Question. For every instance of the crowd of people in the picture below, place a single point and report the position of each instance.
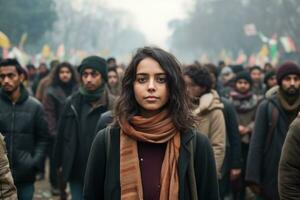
(155, 129)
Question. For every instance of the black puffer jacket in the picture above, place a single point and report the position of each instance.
(25, 129)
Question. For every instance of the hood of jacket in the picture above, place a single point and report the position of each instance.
(208, 102)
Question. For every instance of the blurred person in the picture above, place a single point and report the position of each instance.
(153, 131)
(121, 70)
(7, 188)
(32, 72)
(273, 118)
(23, 124)
(62, 85)
(289, 165)
(268, 67)
(245, 103)
(76, 128)
(111, 62)
(231, 168)
(45, 81)
(270, 80)
(113, 81)
(208, 108)
(42, 72)
(256, 74)
(227, 81)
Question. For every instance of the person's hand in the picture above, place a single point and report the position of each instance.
(234, 174)
(244, 130)
(256, 189)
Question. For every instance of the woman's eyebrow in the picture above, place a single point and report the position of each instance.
(146, 74)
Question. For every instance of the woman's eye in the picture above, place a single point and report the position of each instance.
(161, 79)
(141, 79)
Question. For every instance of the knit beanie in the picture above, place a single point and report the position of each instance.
(243, 75)
(94, 62)
(285, 69)
(268, 76)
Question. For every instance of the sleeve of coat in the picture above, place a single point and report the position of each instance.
(41, 136)
(8, 189)
(217, 138)
(50, 113)
(232, 132)
(95, 172)
(289, 167)
(256, 149)
(205, 170)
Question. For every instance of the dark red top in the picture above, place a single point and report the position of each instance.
(151, 157)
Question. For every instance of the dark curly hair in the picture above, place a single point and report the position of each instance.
(178, 103)
(56, 80)
(200, 76)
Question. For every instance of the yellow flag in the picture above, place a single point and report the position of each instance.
(46, 51)
(264, 51)
(4, 41)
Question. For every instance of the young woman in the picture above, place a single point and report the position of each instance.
(151, 151)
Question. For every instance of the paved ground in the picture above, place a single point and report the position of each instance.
(43, 189)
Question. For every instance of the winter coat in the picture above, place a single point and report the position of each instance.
(8, 190)
(54, 102)
(68, 132)
(289, 166)
(211, 123)
(102, 178)
(25, 130)
(265, 147)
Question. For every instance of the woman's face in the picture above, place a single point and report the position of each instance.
(150, 87)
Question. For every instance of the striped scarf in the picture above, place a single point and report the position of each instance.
(156, 129)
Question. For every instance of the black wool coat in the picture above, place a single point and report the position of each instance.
(102, 178)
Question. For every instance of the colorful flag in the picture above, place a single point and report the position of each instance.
(288, 44)
(250, 29)
(4, 41)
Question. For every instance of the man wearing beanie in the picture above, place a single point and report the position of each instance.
(245, 103)
(273, 118)
(76, 129)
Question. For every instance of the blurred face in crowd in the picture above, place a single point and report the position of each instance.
(113, 78)
(291, 84)
(242, 86)
(226, 77)
(256, 75)
(65, 74)
(150, 87)
(193, 90)
(91, 79)
(43, 69)
(10, 79)
(271, 82)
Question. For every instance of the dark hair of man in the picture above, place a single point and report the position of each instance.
(254, 68)
(111, 59)
(200, 76)
(30, 66)
(12, 62)
(178, 104)
(56, 80)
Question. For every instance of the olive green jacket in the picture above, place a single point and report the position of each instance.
(8, 190)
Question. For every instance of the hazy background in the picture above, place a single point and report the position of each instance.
(188, 28)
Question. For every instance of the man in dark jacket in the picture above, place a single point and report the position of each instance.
(76, 129)
(23, 124)
(273, 118)
(289, 167)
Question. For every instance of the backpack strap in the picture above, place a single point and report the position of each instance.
(107, 141)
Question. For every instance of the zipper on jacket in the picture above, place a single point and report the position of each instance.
(12, 134)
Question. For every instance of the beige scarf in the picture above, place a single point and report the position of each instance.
(157, 129)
